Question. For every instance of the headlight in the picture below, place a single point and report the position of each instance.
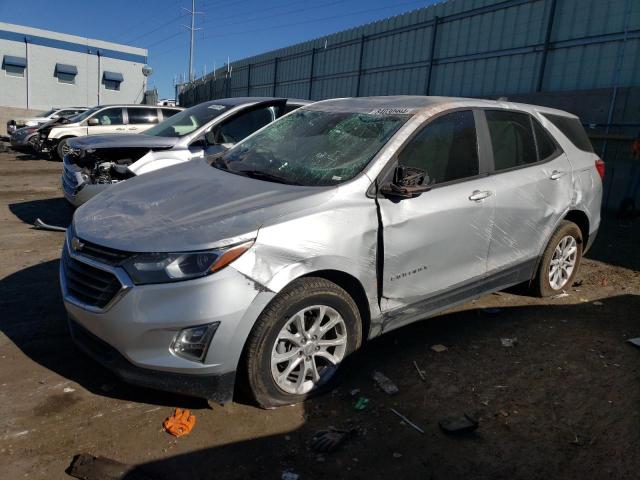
(173, 267)
(193, 343)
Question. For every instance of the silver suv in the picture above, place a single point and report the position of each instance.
(272, 262)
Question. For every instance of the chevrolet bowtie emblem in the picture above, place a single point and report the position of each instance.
(76, 244)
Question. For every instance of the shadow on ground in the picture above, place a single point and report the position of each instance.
(37, 325)
(54, 211)
(557, 405)
(560, 404)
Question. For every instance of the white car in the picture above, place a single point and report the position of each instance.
(93, 164)
(100, 120)
(54, 113)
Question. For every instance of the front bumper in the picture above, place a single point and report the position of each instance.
(22, 142)
(132, 334)
(218, 388)
(75, 188)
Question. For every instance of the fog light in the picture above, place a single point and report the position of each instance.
(192, 343)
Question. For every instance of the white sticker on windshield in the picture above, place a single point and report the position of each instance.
(336, 178)
(216, 107)
(390, 111)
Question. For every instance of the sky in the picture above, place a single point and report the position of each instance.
(228, 28)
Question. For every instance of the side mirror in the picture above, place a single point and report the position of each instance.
(408, 182)
(93, 121)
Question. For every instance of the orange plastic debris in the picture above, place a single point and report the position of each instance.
(180, 423)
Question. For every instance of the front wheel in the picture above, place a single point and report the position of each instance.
(560, 261)
(300, 340)
(62, 149)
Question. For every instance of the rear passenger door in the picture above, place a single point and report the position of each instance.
(141, 119)
(437, 243)
(533, 183)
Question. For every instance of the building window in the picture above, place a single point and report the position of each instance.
(112, 80)
(14, 66)
(66, 73)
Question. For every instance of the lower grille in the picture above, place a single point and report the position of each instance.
(89, 285)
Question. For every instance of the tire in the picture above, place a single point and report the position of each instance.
(62, 145)
(281, 317)
(542, 284)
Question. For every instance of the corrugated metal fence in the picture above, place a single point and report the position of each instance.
(458, 47)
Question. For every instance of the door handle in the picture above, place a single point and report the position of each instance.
(477, 195)
(120, 128)
(556, 174)
(133, 128)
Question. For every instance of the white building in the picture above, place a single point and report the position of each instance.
(43, 69)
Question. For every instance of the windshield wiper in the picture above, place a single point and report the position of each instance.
(260, 175)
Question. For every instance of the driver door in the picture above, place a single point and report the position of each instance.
(436, 244)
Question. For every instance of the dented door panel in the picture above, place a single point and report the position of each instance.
(435, 241)
(529, 204)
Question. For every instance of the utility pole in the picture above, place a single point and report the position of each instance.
(191, 29)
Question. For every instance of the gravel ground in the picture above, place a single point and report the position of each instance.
(564, 402)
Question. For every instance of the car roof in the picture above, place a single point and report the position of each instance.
(414, 104)
(135, 105)
(235, 101)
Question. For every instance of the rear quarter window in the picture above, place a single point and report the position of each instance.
(572, 129)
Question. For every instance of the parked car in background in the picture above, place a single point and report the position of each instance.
(92, 164)
(16, 123)
(99, 120)
(271, 263)
(24, 138)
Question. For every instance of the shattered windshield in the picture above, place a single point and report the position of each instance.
(312, 148)
(187, 121)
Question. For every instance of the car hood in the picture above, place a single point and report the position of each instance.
(30, 119)
(188, 207)
(122, 140)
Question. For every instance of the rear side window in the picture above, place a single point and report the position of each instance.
(169, 112)
(244, 124)
(572, 129)
(142, 115)
(447, 148)
(546, 146)
(512, 139)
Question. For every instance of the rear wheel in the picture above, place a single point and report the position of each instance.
(299, 342)
(560, 261)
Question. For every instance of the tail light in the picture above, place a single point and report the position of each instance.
(600, 168)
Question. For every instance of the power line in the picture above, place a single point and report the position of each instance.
(156, 29)
(289, 12)
(316, 20)
(294, 24)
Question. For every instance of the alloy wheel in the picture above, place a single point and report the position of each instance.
(563, 262)
(308, 349)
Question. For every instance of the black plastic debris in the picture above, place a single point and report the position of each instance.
(327, 441)
(385, 383)
(458, 425)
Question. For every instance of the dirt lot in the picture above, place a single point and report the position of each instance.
(563, 403)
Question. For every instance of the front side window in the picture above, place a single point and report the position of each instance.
(243, 125)
(142, 115)
(312, 147)
(512, 139)
(447, 148)
(110, 116)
